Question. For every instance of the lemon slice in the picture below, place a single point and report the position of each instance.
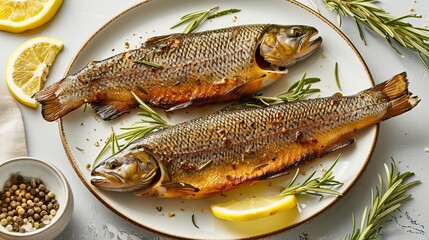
(20, 15)
(28, 67)
(253, 208)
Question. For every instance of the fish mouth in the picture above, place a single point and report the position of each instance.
(105, 181)
(98, 180)
(310, 43)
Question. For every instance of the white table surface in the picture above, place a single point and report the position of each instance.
(404, 138)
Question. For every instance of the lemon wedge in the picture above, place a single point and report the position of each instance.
(253, 208)
(21, 15)
(28, 67)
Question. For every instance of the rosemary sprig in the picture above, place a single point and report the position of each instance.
(315, 186)
(297, 91)
(367, 13)
(151, 121)
(196, 19)
(385, 200)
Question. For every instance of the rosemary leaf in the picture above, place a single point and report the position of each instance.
(193, 221)
(195, 18)
(151, 64)
(196, 23)
(103, 149)
(224, 12)
(205, 165)
(368, 14)
(385, 199)
(141, 89)
(337, 79)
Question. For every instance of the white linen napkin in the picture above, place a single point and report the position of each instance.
(12, 133)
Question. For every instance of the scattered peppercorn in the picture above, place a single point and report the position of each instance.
(26, 204)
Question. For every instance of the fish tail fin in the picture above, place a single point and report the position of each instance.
(52, 107)
(396, 90)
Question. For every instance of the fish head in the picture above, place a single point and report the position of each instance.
(283, 46)
(125, 172)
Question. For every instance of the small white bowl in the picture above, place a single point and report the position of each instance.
(54, 180)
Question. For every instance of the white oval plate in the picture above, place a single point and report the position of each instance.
(83, 130)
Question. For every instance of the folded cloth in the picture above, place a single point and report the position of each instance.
(12, 133)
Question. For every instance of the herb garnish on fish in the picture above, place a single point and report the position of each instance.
(155, 65)
(297, 91)
(151, 121)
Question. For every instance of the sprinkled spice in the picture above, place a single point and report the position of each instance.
(26, 204)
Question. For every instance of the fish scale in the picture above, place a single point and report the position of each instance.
(197, 68)
(241, 145)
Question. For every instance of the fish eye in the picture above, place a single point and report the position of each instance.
(113, 164)
(295, 32)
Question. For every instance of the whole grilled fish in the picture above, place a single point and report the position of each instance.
(196, 68)
(235, 147)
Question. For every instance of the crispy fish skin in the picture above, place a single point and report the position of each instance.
(236, 147)
(197, 68)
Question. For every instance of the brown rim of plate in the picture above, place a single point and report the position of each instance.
(126, 218)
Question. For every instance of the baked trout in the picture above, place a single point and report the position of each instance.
(197, 68)
(238, 146)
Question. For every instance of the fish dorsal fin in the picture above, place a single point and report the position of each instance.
(154, 41)
(179, 189)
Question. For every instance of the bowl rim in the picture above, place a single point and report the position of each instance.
(67, 192)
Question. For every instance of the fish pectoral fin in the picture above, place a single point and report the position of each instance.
(277, 175)
(180, 106)
(179, 189)
(112, 109)
(255, 85)
(243, 104)
(340, 144)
